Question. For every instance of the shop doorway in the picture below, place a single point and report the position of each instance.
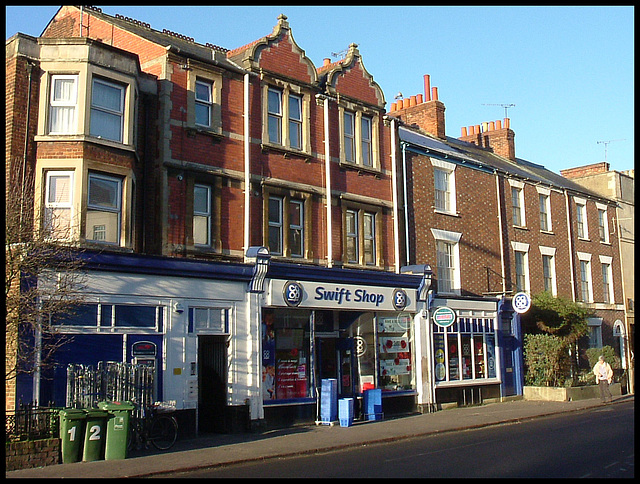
(335, 357)
(212, 386)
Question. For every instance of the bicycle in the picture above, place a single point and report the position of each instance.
(153, 424)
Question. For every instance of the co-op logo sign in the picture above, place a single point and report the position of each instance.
(293, 294)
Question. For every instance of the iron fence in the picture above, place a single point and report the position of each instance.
(31, 422)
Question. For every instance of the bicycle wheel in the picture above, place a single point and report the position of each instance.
(163, 432)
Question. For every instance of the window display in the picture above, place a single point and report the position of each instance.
(465, 350)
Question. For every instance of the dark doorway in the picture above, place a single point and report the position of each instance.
(212, 383)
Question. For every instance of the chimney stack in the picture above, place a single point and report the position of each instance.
(427, 115)
(501, 140)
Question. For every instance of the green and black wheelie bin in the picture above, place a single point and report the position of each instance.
(71, 434)
(94, 435)
(117, 428)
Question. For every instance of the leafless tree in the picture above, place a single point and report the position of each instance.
(43, 278)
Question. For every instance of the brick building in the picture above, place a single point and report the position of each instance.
(556, 235)
(242, 212)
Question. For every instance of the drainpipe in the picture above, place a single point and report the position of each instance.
(406, 203)
(569, 233)
(247, 165)
(30, 67)
(394, 181)
(500, 227)
(327, 170)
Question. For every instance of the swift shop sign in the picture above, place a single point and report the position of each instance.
(339, 296)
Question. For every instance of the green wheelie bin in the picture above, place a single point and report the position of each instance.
(71, 434)
(94, 435)
(117, 428)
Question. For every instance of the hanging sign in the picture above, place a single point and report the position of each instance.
(444, 316)
(521, 302)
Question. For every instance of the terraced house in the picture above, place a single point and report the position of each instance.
(259, 224)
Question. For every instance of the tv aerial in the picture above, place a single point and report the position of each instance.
(605, 143)
(505, 106)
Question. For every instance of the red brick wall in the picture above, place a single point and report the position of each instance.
(586, 170)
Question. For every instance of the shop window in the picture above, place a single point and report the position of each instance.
(133, 316)
(465, 351)
(79, 315)
(63, 104)
(104, 209)
(107, 110)
(395, 352)
(285, 355)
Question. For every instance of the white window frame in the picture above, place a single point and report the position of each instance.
(449, 169)
(275, 116)
(206, 215)
(349, 136)
(585, 277)
(603, 223)
(98, 208)
(550, 254)
(207, 103)
(517, 203)
(103, 109)
(544, 195)
(66, 103)
(453, 241)
(606, 264)
(50, 207)
(581, 218)
(522, 248)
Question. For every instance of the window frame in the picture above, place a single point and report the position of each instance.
(452, 240)
(549, 254)
(53, 206)
(603, 223)
(207, 103)
(60, 104)
(356, 237)
(585, 278)
(581, 219)
(103, 109)
(207, 215)
(295, 122)
(353, 143)
(606, 265)
(97, 208)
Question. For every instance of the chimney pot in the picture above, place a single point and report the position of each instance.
(393, 107)
(434, 93)
(419, 99)
(427, 87)
(498, 124)
(464, 132)
(327, 61)
(507, 123)
(412, 101)
(492, 126)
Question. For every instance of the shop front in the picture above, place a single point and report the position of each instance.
(466, 350)
(358, 331)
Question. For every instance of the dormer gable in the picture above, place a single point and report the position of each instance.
(350, 78)
(278, 54)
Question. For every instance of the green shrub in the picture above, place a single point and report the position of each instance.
(546, 360)
(609, 356)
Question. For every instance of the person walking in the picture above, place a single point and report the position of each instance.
(603, 372)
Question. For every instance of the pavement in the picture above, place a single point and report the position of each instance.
(214, 450)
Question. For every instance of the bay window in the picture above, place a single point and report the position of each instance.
(58, 204)
(63, 104)
(107, 110)
(104, 209)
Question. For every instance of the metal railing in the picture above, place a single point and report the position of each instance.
(30, 422)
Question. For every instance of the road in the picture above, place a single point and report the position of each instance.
(597, 442)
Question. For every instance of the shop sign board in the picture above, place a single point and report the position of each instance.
(340, 296)
(444, 316)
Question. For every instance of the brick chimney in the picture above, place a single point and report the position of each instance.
(500, 138)
(586, 170)
(426, 112)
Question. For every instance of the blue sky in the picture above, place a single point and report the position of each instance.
(568, 70)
